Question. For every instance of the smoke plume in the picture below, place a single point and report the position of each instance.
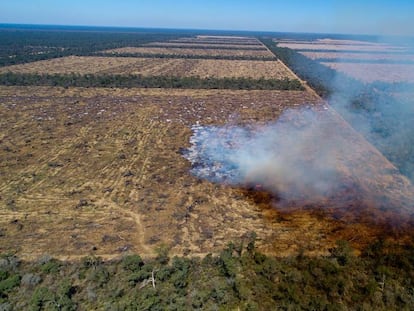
(312, 157)
(294, 157)
(308, 157)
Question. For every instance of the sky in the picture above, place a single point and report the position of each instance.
(380, 17)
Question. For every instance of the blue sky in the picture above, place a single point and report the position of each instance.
(347, 16)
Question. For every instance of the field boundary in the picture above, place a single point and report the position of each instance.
(126, 81)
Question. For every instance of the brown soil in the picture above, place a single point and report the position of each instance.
(99, 171)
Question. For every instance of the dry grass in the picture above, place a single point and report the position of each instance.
(71, 64)
(155, 67)
(376, 72)
(99, 172)
(239, 68)
(85, 168)
(220, 39)
(198, 52)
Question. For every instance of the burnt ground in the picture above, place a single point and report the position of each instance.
(100, 172)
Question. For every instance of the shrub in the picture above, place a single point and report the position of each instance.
(132, 263)
(9, 283)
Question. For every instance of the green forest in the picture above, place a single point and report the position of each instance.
(19, 46)
(239, 278)
(90, 80)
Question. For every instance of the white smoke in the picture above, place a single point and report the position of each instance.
(295, 157)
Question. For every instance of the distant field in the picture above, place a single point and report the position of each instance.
(365, 61)
(359, 56)
(205, 45)
(219, 40)
(240, 43)
(376, 72)
(346, 46)
(187, 51)
(155, 67)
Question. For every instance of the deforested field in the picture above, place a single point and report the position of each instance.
(191, 51)
(340, 45)
(102, 171)
(253, 47)
(390, 73)
(235, 40)
(155, 67)
(399, 57)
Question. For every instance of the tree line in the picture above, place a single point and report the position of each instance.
(238, 277)
(126, 81)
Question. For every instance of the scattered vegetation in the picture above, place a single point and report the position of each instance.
(239, 277)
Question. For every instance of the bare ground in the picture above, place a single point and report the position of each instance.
(189, 51)
(99, 172)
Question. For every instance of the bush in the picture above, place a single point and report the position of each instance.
(132, 263)
(9, 283)
(41, 298)
(51, 267)
(342, 252)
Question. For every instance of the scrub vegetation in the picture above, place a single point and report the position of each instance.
(239, 277)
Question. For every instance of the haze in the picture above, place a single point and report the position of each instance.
(351, 17)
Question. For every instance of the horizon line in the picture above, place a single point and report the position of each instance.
(201, 29)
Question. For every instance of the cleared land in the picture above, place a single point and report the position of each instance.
(206, 45)
(359, 56)
(375, 72)
(155, 67)
(346, 45)
(95, 171)
(99, 171)
(220, 40)
(188, 51)
(102, 168)
(367, 66)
